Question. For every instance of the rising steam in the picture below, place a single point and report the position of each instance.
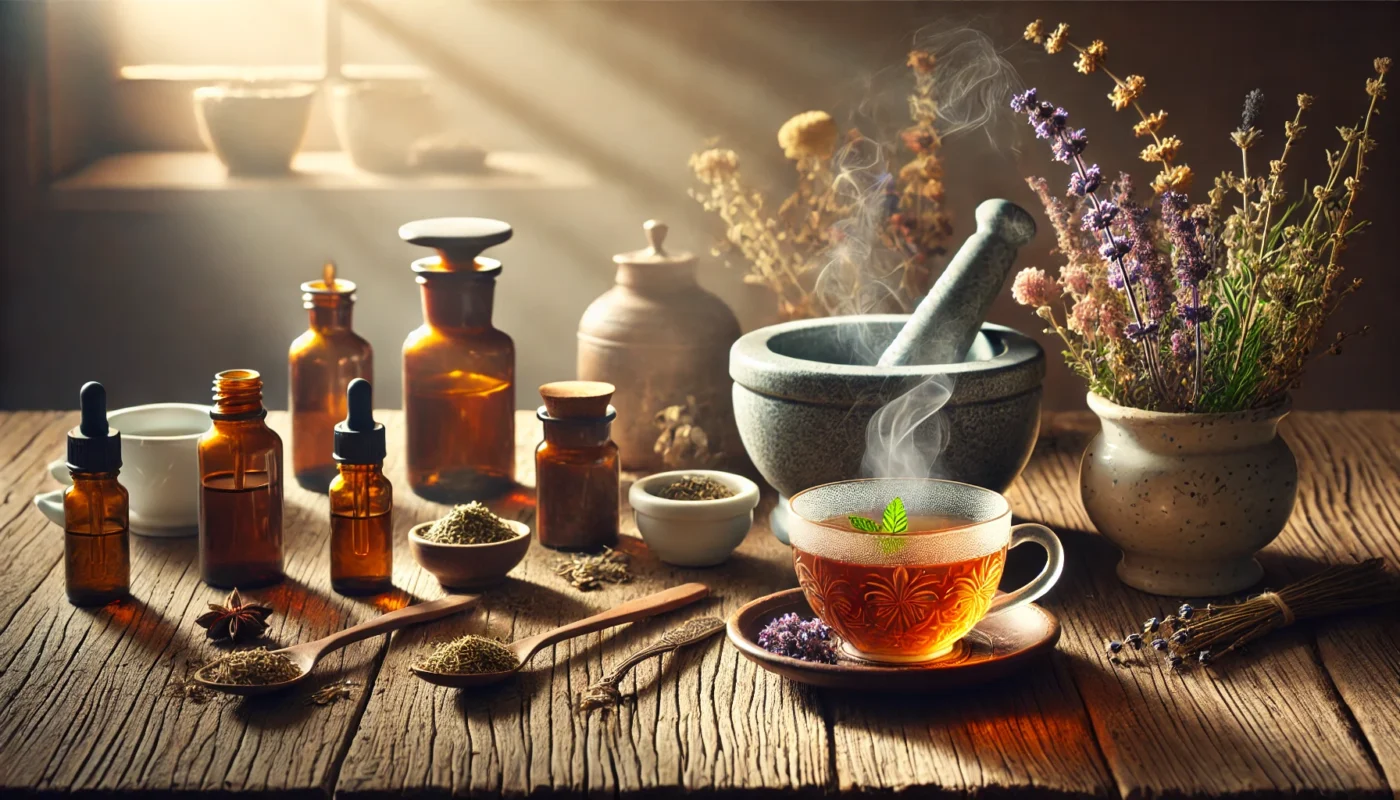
(907, 435)
(973, 83)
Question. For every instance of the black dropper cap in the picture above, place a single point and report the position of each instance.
(358, 438)
(94, 446)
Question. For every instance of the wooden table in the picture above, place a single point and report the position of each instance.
(1309, 711)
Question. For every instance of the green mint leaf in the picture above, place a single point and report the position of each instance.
(863, 524)
(889, 545)
(896, 521)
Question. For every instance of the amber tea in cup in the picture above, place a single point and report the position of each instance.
(909, 597)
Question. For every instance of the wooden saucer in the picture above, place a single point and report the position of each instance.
(998, 646)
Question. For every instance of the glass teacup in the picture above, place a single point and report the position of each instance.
(910, 597)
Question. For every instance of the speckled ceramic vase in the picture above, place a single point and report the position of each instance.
(1189, 498)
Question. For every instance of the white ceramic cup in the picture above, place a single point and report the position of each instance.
(160, 468)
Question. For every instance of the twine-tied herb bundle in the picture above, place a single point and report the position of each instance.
(1193, 635)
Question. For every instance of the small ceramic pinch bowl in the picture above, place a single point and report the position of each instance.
(469, 566)
(693, 533)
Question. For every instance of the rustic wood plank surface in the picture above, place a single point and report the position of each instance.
(1308, 711)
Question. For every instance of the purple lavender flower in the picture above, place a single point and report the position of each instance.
(1114, 249)
(1150, 266)
(1096, 219)
(1136, 332)
(1195, 314)
(1071, 144)
(1023, 102)
(1183, 347)
(795, 637)
(1049, 121)
(1191, 263)
(1087, 182)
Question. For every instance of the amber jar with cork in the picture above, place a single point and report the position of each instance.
(458, 369)
(96, 509)
(577, 468)
(240, 497)
(362, 500)
(322, 362)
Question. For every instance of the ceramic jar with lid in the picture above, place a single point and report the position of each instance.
(663, 341)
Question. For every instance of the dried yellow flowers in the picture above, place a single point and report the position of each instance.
(1128, 90)
(1056, 41)
(1150, 124)
(811, 134)
(1092, 57)
(715, 166)
(1164, 150)
(1176, 179)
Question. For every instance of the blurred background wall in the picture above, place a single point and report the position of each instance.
(151, 289)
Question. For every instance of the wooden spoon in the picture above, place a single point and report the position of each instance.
(305, 656)
(633, 610)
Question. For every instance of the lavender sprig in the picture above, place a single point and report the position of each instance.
(1051, 122)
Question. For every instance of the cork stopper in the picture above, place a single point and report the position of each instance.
(577, 399)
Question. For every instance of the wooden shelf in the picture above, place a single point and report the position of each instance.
(155, 181)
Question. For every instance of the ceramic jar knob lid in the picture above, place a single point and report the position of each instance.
(656, 253)
(459, 240)
(577, 399)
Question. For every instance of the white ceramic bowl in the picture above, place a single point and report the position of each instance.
(693, 533)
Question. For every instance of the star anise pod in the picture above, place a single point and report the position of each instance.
(235, 620)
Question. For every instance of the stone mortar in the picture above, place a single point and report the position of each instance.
(805, 391)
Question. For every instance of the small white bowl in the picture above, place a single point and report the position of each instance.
(693, 533)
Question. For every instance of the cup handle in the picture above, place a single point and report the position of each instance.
(1054, 565)
(51, 503)
(58, 470)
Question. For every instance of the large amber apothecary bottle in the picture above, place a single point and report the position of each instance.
(240, 495)
(322, 362)
(458, 369)
(96, 509)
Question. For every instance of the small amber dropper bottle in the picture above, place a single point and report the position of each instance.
(322, 361)
(240, 497)
(96, 527)
(362, 501)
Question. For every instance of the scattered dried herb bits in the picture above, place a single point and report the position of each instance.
(472, 523)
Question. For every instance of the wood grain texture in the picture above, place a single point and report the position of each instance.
(704, 718)
(1268, 722)
(1308, 711)
(81, 689)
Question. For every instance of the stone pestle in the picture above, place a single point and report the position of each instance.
(947, 320)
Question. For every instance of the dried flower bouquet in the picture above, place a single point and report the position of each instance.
(797, 251)
(1170, 305)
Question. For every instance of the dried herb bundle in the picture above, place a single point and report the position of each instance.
(256, 667)
(235, 621)
(695, 487)
(1203, 637)
(469, 655)
(589, 572)
(472, 523)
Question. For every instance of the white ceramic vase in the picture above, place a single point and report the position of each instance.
(1188, 498)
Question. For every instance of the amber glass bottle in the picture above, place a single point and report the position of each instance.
(323, 361)
(458, 369)
(362, 501)
(577, 471)
(240, 498)
(96, 535)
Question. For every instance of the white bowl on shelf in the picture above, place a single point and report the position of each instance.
(693, 533)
